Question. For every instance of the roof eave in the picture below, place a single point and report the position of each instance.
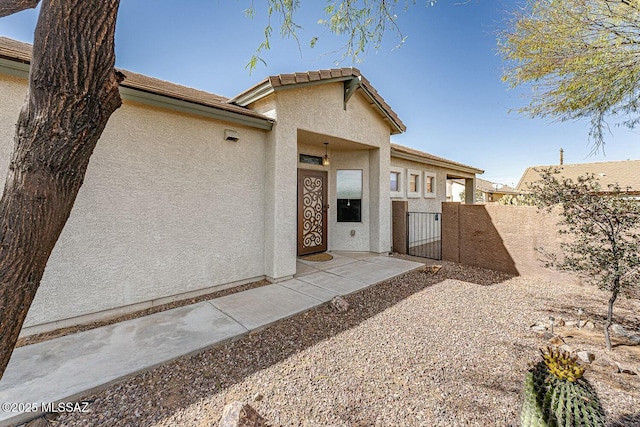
(14, 68)
(20, 69)
(266, 87)
(156, 100)
(396, 128)
(254, 94)
(434, 162)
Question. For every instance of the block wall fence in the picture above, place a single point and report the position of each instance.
(502, 238)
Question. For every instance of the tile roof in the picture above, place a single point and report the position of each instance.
(283, 80)
(489, 187)
(15, 50)
(396, 148)
(623, 172)
(184, 93)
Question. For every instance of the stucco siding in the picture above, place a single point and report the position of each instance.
(12, 96)
(320, 109)
(355, 135)
(167, 207)
(422, 203)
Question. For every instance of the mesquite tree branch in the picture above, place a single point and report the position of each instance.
(9, 7)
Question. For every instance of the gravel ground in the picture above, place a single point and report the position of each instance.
(449, 349)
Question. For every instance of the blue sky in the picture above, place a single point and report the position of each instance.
(444, 82)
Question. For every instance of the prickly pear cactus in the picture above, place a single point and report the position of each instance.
(556, 394)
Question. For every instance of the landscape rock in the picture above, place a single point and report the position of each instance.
(608, 364)
(619, 330)
(635, 339)
(586, 356)
(588, 324)
(258, 397)
(571, 323)
(567, 348)
(541, 329)
(624, 369)
(556, 341)
(239, 414)
(339, 304)
(560, 322)
(432, 269)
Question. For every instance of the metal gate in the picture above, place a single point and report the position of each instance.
(424, 234)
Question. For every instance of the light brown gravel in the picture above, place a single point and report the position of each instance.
(449, 349)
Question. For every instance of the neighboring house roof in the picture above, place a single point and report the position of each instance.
(351, 76)
(21, 52)
(13, 49)
(400, 151)
(625, 173)
(490, 187)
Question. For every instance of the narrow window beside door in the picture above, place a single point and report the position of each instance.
(349, 195)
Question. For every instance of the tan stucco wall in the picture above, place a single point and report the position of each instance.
(319, 109)
(167, 207)
(12, 96)
(422, 203)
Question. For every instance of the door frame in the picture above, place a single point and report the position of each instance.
(302, 173)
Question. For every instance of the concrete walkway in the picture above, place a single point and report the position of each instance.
(66, 368)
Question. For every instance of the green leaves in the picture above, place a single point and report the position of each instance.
(582, 58)
(603, 228)
(362, 23)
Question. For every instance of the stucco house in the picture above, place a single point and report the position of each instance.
(486, 191)
(189, 192)
(422, 178)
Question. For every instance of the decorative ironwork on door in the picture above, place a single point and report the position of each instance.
(312, 218)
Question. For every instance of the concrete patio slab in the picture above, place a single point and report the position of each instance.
(362, 271)
(303, 269)
(264, 305)
(331, 282)
(306, 288)
(360, 255)
(394, 262)
(337, 260)
(64, 367)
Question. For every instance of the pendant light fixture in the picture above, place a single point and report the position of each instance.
(325, 159)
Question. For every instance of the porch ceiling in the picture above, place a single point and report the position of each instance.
(335, 143)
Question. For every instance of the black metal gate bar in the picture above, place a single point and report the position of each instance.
(424, 234)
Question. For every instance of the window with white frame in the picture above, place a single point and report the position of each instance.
(429, 184)
(413, 183)
(396, 180)
(349, 195)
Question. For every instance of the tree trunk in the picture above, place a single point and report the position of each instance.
(607, 325)
(73, 90)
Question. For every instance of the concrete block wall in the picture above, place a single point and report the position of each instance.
(502, 238)
(399, 210)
